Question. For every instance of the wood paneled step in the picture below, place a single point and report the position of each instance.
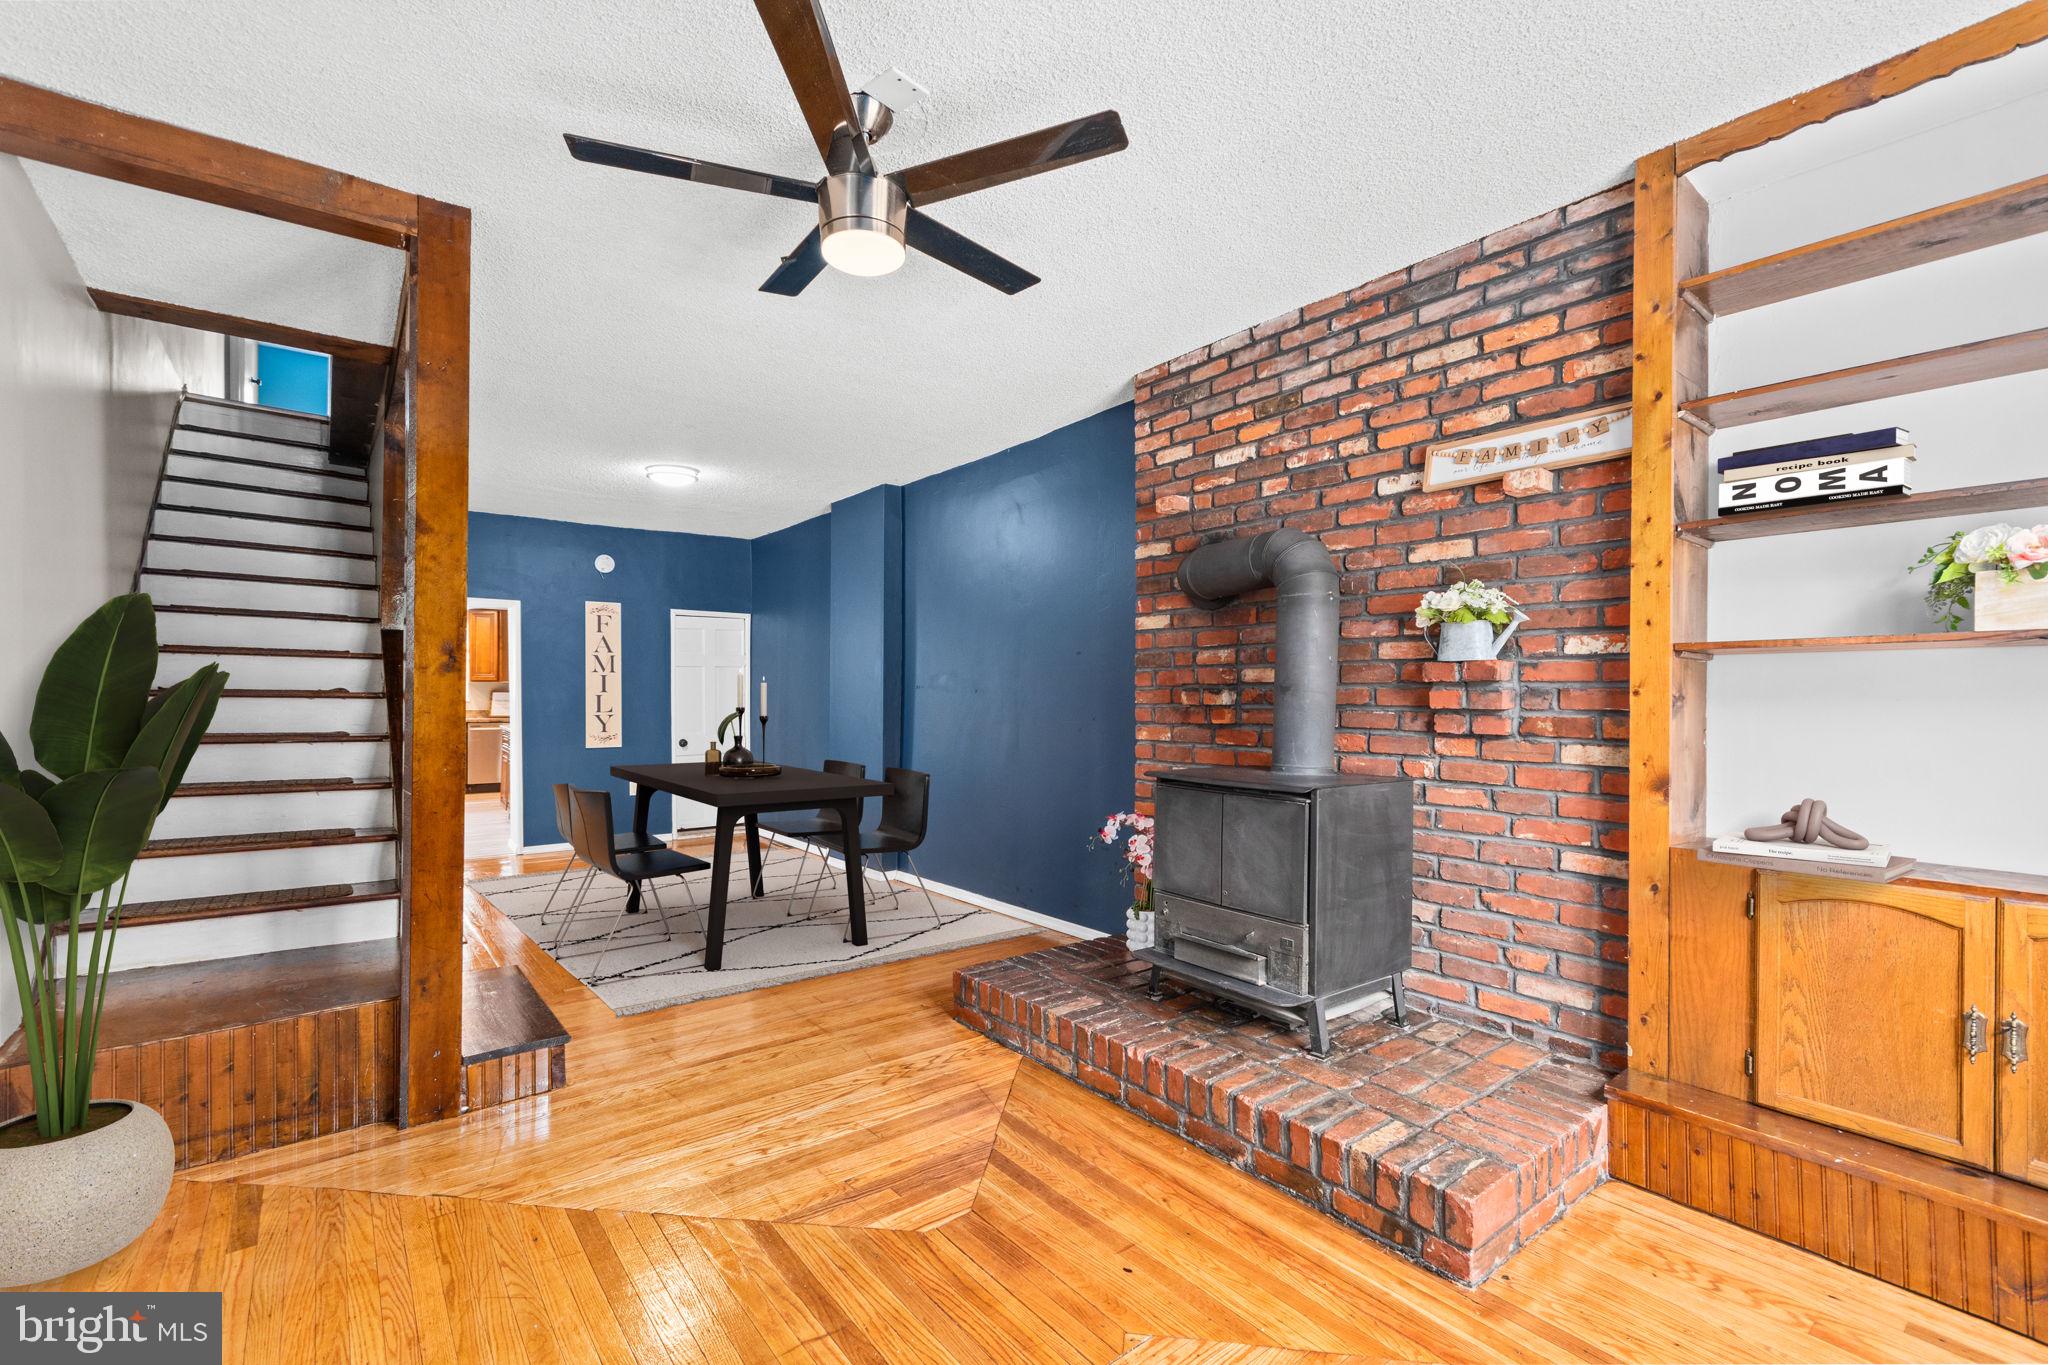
(271, 547)
(321, 446)
(267, 652)
(340, 471)
(294, 737)
(289, 693)
(284, 786)
(228, 577)
(238, 514)
(257, 902)
(300, 493)
(251, 843)
(502, 1016)
(193, 609)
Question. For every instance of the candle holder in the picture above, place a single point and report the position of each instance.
(762, 754)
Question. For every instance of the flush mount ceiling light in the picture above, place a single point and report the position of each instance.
(672, 475)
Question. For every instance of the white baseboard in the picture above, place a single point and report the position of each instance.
(903, 878)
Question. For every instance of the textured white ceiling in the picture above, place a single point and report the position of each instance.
(1279, 152)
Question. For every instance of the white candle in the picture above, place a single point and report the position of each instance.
(764, 699)
(739, 689)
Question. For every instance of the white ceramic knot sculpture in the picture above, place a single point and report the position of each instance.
(1808, 823)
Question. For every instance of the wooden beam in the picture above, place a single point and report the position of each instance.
(436, 740)
(42, 125)
(1983, 41)
(178, 315)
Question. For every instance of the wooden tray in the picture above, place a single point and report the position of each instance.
(749, 769)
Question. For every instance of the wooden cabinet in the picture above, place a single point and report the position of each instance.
(2022, 1000)
(505, 766)
(1873, 1010)
(487, 645)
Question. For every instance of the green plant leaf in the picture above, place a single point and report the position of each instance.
(35, 783)
(90, 703)
(29, 847)
(104, 819)
(10, 771)
(1953, 572)
(173, 726)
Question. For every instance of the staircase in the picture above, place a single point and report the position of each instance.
(260, 558)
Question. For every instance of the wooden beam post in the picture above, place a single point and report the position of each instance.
(251, 329)
(430, 1030)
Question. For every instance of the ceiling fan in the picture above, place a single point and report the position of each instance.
(867, 218)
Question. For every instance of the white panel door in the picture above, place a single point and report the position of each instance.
(707, 670)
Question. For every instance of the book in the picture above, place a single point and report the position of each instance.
(1769, 471)
(1855, 495)
(1847, 443)
(1815, 485)
(1877, 855)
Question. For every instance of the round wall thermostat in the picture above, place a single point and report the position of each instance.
(605, 564)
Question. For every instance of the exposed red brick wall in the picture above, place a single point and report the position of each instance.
(1318, 420)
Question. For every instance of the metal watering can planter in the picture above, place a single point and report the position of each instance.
(1463, 641)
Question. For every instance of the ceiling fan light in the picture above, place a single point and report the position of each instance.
(671, 475)
(862, 250)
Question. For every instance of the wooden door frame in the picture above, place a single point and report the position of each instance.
(746, 620)
(515, 804)
(427, 602)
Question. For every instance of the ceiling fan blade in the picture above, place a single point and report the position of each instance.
(964, 254)
(804, 47)
(688, 168)
(1048, 149)
(798, 268)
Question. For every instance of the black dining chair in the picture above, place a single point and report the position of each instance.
(564, 816)
(812, 828)
(906, 813)
(591, 833)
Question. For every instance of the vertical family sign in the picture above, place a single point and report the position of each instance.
(601, 728)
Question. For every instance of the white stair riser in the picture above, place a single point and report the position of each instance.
(263, 672)
(271, 869)
(167, 522)
(231, 592)
(250, 417)
(274, 563)
(189, 817)
(359, 716)
(163, 945)
(193, 466)
(271, 632)
(264, 762)
(269, 504)
(300, 457)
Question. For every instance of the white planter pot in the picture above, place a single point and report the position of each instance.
(72, 1203)
(1463, 641)
(2010, 606)
(1138, 928)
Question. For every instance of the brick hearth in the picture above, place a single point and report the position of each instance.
(1448, 1144)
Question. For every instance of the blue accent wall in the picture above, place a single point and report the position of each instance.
(1019, 593)
(793, 639)
(865, 721)
(548, 567)
(292, 379)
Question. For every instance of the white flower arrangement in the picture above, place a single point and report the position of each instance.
(2008, 550)
(1468, 599)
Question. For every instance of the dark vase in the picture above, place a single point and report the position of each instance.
(738, 756)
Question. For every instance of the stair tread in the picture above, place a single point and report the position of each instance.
(229, 576)
(269, 651)
(155, 1004)
(253, 436)
(292, 737)
(208, 400)
(267, 490)
(200, 609)
(256, 902)
(336, 472)
(282, 786)
(267, 839)
(291, 693)
(272, 546)
(503, 1016)
(242, 514)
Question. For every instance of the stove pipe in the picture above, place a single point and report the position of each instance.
(1305, 653)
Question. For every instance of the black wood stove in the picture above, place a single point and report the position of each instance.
(1285, 890)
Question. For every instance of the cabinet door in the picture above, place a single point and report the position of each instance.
(487, 645)
(1872, 1011)
(2022, 1002)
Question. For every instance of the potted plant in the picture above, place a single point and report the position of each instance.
(80, 1179)
(1472, 620)
(1998, 573)
(1136, 871)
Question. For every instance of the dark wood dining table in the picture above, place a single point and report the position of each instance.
(737, 799)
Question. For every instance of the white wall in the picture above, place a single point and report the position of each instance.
(1934, 752)
(85, 404)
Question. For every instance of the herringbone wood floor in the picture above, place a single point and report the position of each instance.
(834, 1170)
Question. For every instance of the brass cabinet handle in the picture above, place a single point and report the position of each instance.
(1973, 1032)
(2012, 1040)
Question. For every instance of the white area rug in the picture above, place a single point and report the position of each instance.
(767, 941)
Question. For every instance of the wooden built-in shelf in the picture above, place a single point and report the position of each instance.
(1992, 358)
(1943, 502)
(1971, 881)
(2001, 215)
(1833, 644)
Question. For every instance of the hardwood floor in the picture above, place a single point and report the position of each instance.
(834, 1170)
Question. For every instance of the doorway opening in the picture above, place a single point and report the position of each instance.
(493, 809)
(709, 657)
